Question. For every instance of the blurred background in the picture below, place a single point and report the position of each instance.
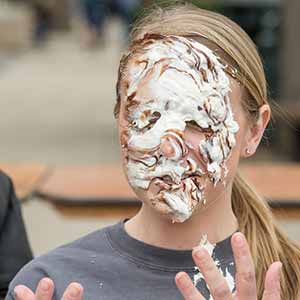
(58, 69)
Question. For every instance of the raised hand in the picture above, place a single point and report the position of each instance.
(45, 289)
(245, 276)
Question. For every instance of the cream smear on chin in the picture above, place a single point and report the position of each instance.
(173, 82)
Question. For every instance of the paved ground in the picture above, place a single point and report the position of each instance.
(57, 107)
(57, 103)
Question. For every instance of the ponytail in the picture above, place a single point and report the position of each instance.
(267, 242)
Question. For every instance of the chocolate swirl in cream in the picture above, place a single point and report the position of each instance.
(174, 81)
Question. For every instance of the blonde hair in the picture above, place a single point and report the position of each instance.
(267, 242)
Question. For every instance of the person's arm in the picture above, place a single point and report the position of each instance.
(15, 251)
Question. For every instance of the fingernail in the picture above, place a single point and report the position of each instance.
(74, 292)
(45, 285)
(15, 294)
(280, 266)
(199, 252)
(239, 239)
(182, 281)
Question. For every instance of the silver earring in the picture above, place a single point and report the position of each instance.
(248, 151)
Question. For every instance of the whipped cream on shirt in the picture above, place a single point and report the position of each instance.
(174, 82)
(225, 270)
(110, 265)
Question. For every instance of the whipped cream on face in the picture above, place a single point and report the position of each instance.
(173, 81)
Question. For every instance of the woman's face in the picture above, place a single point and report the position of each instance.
(181, 126)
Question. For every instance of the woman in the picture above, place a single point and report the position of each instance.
(192, 102)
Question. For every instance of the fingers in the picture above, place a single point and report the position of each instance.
(272, 282)
(245, 272)
(45, 289)
(22, 292)
(214, 279)
(186, 287)
(74, 291)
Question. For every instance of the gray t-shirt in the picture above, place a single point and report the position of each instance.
(112, 265)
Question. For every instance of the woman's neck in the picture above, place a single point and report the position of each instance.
(217, 221)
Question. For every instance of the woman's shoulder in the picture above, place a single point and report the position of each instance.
(74, 251)
(64, 261)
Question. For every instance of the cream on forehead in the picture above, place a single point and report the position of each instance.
(173, 81)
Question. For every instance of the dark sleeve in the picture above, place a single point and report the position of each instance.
(15, 251)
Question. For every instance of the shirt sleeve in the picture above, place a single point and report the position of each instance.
(10, 296)
(29, 275)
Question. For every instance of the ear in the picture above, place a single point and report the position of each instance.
(255, 131)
